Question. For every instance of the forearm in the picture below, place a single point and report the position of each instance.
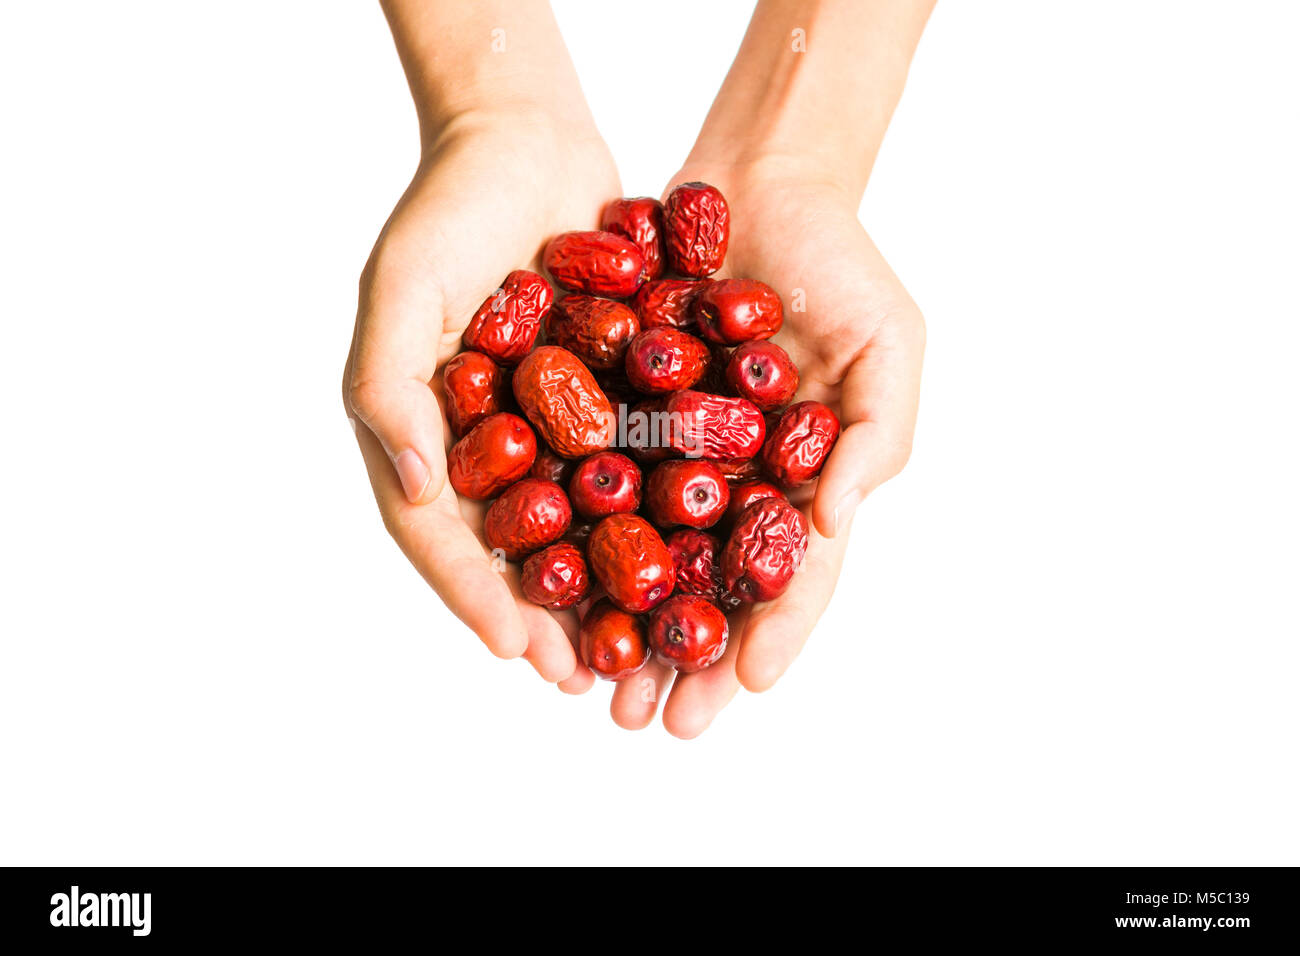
(484, 56)
(817, 101)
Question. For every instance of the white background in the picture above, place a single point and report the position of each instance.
(1066, 634)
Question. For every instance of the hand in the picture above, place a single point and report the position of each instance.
(858, 348)
(492, 188)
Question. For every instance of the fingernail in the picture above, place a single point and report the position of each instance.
(414, 474)
(844, 510)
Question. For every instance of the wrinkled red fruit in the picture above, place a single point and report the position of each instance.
(696, 227)
(714, 426)
(664, 360)
(798, 446)
(642, 221)
(561, 398)
(556, 577)
(597, 263)
(631, 562)
(688, 632)
(763, 373)
(549, 466)
(505, 325)
(666, 302)
(692, 492)
(529, 515)
(596, 330)
(474, 386)
(607, 483)
(765, 549)
(731, 311)
(612, 642)
(695, 562)
(496, 453)
(746, 493)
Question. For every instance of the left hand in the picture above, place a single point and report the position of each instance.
(858, 345)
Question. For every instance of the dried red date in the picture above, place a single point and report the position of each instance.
(687, 632)
(731, 311)
(696, 228)
(505, 325)
(763, 373)
(665, 360)
(612, 642)
(692, 492)
(561, 398)
(474, 387)
(596, 330)
(740, 469)
(496, 453)
(695, 562)
(647, 436)
(529, 515)
(765, 549)
(596, 263)
(714, 426)
(746, 493)
(631, 562)
(666, 302)
(798, 446)
(642, 221)
(549, 466)
(607, 483)
(556, 577)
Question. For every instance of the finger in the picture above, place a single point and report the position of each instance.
(549, 649)
(777, 630)
(582, 678)
(697, 698)
(394, 356)
(436, 540)
(636, 698)
(881, 390)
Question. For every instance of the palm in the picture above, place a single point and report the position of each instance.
(857, 339)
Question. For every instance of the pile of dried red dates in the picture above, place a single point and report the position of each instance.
(676, 372)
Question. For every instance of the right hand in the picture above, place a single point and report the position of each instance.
(491, 190)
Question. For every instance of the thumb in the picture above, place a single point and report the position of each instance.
(881, 391)
(395, 355)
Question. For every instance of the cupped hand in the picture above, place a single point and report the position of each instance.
(489, 192)
(857, 339)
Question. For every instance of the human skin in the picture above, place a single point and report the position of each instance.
(780, 145)
(510, 156)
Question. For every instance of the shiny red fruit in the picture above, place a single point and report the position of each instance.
(763, 373)
(506, 324)
(605, 484)
(666, 302)
(496, 453)
(695, 562)
(765, 549)
(474, 387)
(731, 311)
(597, 263)
(631, 562)
(529, 515)
(746, 493)
(642, 221)
(665, 360)
(697, 226)
(714, 426)
(598, 331)
(740, 469)
(556, 577)
(691, 492)
(561, 398)
(612, 642)
(688, 632)
(798, 446)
